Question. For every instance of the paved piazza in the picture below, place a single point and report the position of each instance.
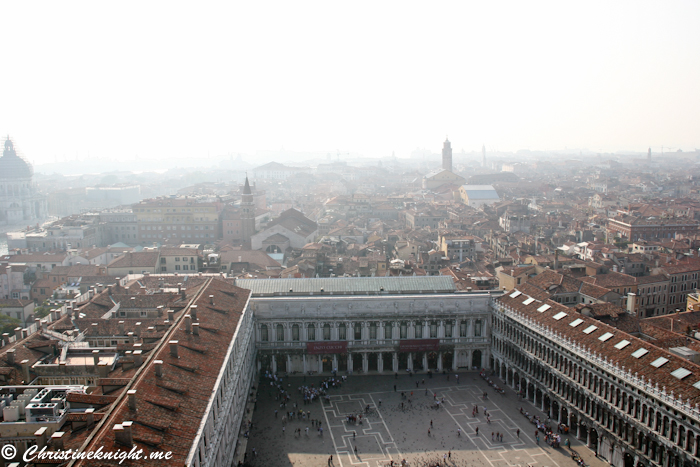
(389, 431)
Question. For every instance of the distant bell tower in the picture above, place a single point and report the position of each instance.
(483, 155)
(447, 155)
(649, 155)
(247, 213)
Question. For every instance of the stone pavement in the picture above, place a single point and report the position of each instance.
(392, 431)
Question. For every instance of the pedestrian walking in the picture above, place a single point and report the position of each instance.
(459, 432)
(431, 423)
(255, 453)
(449, 454)
(307, 431)
(477, 430)
(275, 413)
(426, 391)
(354, 434)
(428, 431)
(282, 430)
(492, 436)
(355, 450)
(380, 402)
(394, 388)
(518, 432)
(330, 460)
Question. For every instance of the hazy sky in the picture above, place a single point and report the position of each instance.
(169, 79)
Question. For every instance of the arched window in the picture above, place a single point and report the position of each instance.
(295, 332)
(462, 328)
(326, 332)
(448, 328)
(477, 328)
(263, 333)
(280, 333)
(358, 331)
(387, 330)
(342, 332)
(433, 329)
(418, 330)
(311, 330)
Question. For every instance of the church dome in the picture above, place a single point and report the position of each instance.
(13, 166)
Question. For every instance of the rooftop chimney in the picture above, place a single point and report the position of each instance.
(121, 435)
(159, 367)
(18, 333)
(173, 348)
(128, 433)
(137, 329)
(5, 338)
(95, 357)
(89, 412)
(131, 337)
(211, 300)
(171, 316)
(121, 328)
(103, 369)
(25, 370)
(160, 310)
(132, 399)
(195, 329)
(188, 324)
(40, 435)
(631, 303)
(10, 357)
(138, 357)
(57, 440)
(193, 312)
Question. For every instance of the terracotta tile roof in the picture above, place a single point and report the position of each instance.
(611, 279)
(177, 401)
(170, 251)
(141, 259)
(90, 399)
(621, 357)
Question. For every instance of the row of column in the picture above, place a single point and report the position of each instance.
(381, 330)
(309, 364)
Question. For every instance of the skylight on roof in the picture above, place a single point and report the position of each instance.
(528, 301)
(605, 336)
(640, 353)
(515, 294)
(659, 362)
(680, 373)
(575, 322)
(590, 329)
(559, 315)
(543, 308)
(622, 344)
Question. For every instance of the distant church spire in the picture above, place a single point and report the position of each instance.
(447, 155)
(246, 188)
(247, 213)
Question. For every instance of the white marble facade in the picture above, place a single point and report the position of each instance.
(373, 327)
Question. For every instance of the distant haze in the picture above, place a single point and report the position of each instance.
(165, 79)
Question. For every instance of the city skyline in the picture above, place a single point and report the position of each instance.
(97, 82)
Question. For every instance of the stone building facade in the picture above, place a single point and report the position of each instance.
(632, 403)
(365, 331)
